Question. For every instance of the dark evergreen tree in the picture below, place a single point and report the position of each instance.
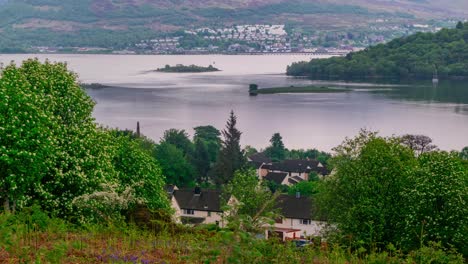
(210, 136)
(459, 25)
(230, 157)
(201, 161)
(276, 151)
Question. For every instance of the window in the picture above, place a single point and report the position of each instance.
(279, 220)
(306, 221)
(189, 211)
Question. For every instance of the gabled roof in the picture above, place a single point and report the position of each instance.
(207, 200)
(296, 208)
(298, 166)
(170, 189)
(258, 159)
(277, 177)
(295, 179)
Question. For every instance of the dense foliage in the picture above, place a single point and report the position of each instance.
(382, 193)
(416, 56)
(52, 151)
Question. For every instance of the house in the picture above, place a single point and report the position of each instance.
(257, 161)
(280, 178)
(298, 218)
(197, 206)
(297, 169)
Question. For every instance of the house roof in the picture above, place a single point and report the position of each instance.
(298, 166)
(258, 159)
(296, 208)
(295, 179)
(277, 177)
(170, 189)
(207, 200)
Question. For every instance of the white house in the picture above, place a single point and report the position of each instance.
(197, 206)
(298, 218)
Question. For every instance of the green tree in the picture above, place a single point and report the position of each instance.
(201, 161)
(304, 188)
(136, 167)
(178, 138)
(254, 205)
(459, 25)
(436, 203)
(230, 157)
(464, 153)
(210, 136)
(78, 153)
(26, 138)
(276, 151)
(363, 197)
(174, 165)
(249, 150)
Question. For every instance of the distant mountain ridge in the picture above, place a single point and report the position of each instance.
(117, 22)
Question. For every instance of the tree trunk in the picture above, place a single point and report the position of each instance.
(6, 205)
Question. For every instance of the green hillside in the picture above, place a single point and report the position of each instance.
(416, 56)
(117, 23)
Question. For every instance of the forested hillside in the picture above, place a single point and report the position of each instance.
(416, 56)
(106, 23)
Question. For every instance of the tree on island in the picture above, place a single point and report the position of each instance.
(276, 151)
(230, 157)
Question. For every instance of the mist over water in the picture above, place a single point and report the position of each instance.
(170, 100)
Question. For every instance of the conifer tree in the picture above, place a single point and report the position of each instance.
(230, 158)
(276, 151)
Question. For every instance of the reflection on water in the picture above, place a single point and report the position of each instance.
(162, 101)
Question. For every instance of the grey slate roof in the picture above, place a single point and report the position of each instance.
(258, 159)
(298, 166)
(207, 200)
(296, 208)
(277, 177)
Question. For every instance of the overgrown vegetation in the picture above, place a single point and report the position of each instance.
(73, 192)
(416, 56)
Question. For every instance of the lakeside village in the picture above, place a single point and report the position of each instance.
(195, 206)
(260, 39)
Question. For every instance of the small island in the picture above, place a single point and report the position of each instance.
(93, 85)
(253, 90)
(184, 69)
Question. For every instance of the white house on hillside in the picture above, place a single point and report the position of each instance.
(197, 206)
(297, 218)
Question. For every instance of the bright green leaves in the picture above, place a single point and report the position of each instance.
(51, 150)
(381, 192)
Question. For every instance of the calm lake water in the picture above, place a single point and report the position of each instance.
(170, 100)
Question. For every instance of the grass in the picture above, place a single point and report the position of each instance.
(36, 238)
(303, 89)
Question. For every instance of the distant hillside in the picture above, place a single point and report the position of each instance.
(104, 23)
(416, 56)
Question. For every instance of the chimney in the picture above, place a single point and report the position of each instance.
(298, 194)
(197, 191)
(138, 129)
